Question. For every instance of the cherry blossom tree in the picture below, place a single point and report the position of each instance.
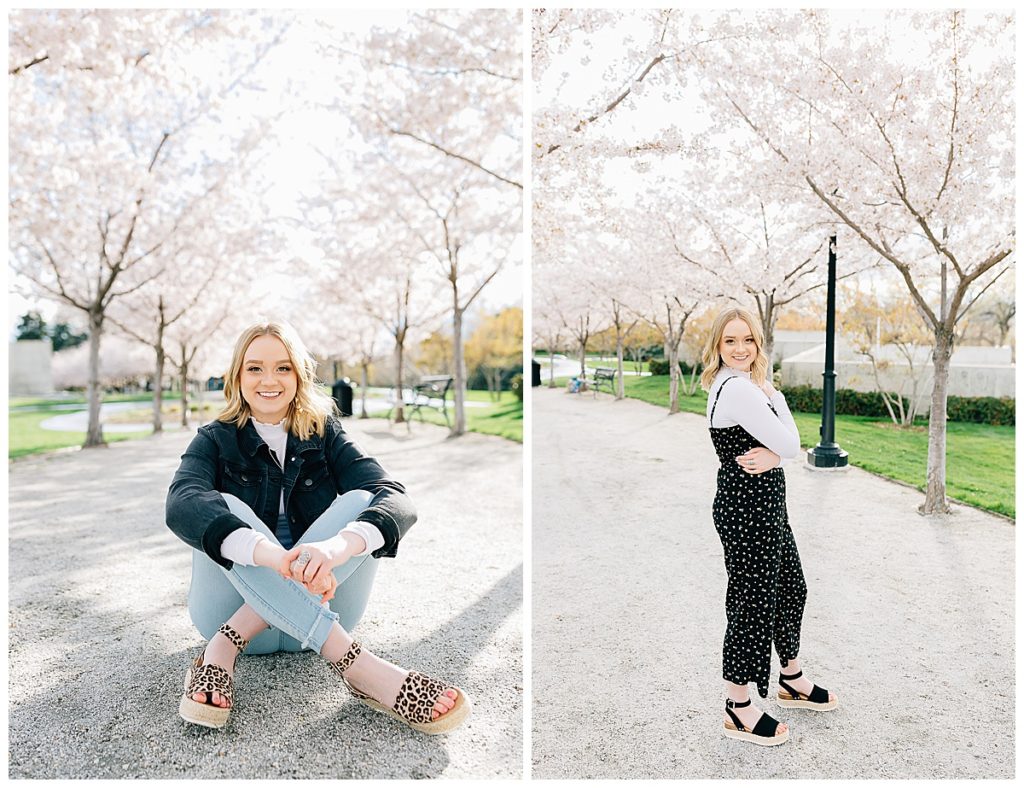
(673, 296)
(445, 84)
(378, 268)
(547, 326)
(357, 339)
(438, 105)
(563, 299)
(607, 277)
(900, 127)
(114, 142)
(764, 243)
(895, 127)
(467, 243)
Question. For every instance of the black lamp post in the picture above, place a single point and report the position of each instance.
(827, 453)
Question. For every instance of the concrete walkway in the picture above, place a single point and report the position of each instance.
(100, 636)
(909, 620)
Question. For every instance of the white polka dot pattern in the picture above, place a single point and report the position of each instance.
(764, 603)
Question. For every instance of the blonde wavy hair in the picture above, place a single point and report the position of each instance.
(308, 412)
(711, 358)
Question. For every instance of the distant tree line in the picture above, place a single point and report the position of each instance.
(62, 335)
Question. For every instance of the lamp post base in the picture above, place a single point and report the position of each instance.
(822, 457)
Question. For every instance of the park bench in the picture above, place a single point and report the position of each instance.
(431, 392)
(604, 376)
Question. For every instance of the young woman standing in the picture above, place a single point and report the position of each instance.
(754, 435)
(285, 515)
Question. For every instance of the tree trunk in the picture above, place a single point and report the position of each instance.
(673, 365)
(935, 495)
(551, 367)
(94, 433)
(158, 393)
(768, 325)
(365, 384)
(184, 392)
(158, 388)
(400, 401)
(459, 427)
(620, 386)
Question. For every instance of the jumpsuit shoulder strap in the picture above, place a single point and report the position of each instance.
(711, 419)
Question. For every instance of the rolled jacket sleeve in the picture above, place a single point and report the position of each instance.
(196, 512)
(390, 511)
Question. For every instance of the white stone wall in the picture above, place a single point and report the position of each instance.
(30, 368)
(792, 343)
(974, 372)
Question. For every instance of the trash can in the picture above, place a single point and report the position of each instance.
(342, 394)
(535, 381)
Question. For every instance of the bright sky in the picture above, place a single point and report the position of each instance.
(576, 79)
(294, 166)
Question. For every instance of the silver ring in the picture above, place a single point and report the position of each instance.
(303, 558)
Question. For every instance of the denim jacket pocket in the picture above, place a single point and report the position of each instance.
(241, 482)
(312, 478)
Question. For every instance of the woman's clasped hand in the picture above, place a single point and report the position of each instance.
(758, 460)
(315, 575)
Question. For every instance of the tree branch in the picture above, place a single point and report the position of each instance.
(26, 66)
(453, 155)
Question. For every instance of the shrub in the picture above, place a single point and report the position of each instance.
(659, 366)
(517, 386)
(976, 410)
(981, 410)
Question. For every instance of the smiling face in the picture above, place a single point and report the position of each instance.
(268, 379)
(738, 348)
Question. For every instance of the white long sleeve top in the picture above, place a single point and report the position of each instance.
(241, 543)
(744, 403)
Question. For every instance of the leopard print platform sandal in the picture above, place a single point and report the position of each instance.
(415, 702)
(209, 679)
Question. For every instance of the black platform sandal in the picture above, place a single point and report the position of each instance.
(765, 732)
(791, 699)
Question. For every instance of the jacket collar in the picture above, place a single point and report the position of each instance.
(249, 441)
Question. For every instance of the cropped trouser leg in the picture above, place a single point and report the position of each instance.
(764, 601)
(297, 618)
(791, 594)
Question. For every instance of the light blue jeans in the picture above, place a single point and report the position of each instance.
(297, 618)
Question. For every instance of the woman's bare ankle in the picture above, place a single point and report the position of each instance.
(337, 644)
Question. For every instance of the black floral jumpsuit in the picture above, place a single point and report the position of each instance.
(764, 602)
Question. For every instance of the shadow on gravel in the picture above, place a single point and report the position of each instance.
(481, 619)
(97, 615)
(106, 693)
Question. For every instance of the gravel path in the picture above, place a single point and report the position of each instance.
(100, 639)
(909, 620)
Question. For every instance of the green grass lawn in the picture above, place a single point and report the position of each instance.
(598, 360)
(25, 436)
(81, 399)
(503, 418)
(979, 457)
(612, 362)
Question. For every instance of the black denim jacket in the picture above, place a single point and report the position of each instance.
(224, 458)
